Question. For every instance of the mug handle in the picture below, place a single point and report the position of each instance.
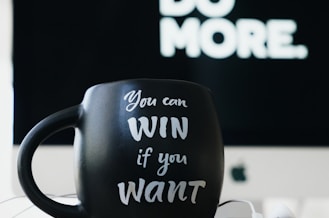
(56, 122)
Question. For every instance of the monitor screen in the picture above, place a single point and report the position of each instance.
(264, 61)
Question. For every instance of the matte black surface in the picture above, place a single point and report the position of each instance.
(112, 152)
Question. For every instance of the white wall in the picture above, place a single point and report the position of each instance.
(6, 93)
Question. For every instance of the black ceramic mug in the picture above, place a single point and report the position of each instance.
(144, 148)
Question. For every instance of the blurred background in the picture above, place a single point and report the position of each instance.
(263, 60)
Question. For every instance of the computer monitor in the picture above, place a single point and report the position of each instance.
(264, 61)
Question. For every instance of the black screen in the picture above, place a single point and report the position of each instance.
(265, 61)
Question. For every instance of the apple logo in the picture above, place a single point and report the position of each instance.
(238, 173)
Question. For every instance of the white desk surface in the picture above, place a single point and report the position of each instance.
(22, 207)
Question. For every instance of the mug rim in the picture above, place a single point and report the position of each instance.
(151, 80)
